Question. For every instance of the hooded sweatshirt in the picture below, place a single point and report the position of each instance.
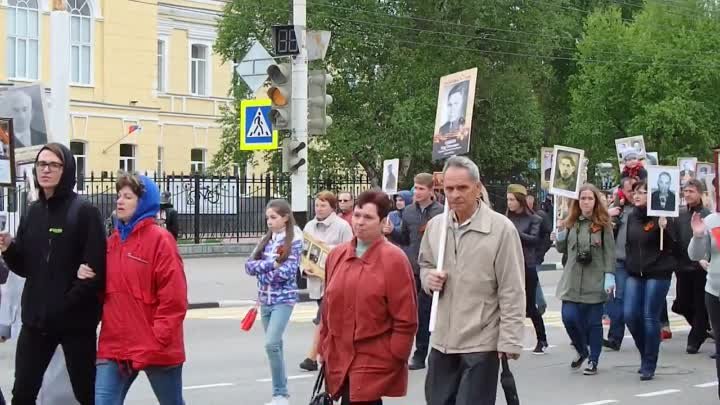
(54, 238)
(146, 295)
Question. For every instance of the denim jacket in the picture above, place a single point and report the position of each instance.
(277, 286)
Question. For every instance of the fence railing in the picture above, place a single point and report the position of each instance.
(216, 208)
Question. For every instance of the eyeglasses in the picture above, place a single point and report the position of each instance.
(344, 200)
(53, 166)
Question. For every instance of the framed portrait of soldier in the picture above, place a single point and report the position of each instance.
(453, 116)
(663, 191)
(652, 159)
(635, 143)
(566, 172)
(546, 162)
(7, 153)
(314, 256)
(26, 105)
(390, 176)
(704, 169)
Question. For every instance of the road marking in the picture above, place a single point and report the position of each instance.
(707, 385)
(202, 387)
(527, 349)
(603, 402)
(657, 393)
(292, 377)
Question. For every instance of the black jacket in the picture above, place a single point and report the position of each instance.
(686, 234)
(644, 258)
(414, 220)
(51, 243)
(528, 226)
(169, 219)
(546, 228)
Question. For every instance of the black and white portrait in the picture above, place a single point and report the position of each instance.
(687, 169)
(453, 116)
(26, 106)
(546, 160)
(566, 171)
(633, 143)
(664, 183)
(390, 176)
(704, 169)
(652, 159)
(314, 255)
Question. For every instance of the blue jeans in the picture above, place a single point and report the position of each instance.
(644, 301)
(615, 305)
(539, 296)
(112, 383)
(583, 323)
(275, 319)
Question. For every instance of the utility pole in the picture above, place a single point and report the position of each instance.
(299, 178)
(60, 73)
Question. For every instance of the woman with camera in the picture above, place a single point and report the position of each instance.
(650, 269)
(586, 236)
(528, 226)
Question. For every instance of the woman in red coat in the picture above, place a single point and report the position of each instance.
(145, 301)
(369, 316)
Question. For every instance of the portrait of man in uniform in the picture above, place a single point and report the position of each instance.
(566, 171)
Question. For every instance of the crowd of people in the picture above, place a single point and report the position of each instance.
(374, 296)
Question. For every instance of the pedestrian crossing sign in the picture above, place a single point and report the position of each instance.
(256, 132)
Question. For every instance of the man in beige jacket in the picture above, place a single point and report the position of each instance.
(482, 293)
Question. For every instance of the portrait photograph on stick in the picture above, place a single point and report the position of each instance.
(7, 153)
(687, 169)
(390, 176)
(27, 107)
(664, 191)
(565, 175)
(651, 159)
(453, 117)
(546, 162)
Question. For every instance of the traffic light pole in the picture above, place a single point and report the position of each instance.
(299, 178)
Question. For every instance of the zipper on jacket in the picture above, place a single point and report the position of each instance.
(49, 253)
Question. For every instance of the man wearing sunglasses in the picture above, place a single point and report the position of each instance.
(59, 234)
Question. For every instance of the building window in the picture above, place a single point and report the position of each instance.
(199, 70)
(80, 41)
(161, 61)
(127, 157)
(23, 19)
(78, 149)
(160, 153)
(197, 161)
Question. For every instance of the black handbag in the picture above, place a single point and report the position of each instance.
(507, 381)
(319, 396)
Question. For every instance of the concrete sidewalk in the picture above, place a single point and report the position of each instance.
(221, 281)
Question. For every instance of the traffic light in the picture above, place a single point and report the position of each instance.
(280, 93)
(318, 101)
(291, 160)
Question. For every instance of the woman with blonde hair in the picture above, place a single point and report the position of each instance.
(588, 276)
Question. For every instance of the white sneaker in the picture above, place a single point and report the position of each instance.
(279, 401)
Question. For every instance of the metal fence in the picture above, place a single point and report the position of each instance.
(219, 208)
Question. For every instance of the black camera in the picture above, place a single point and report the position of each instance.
(584, 257)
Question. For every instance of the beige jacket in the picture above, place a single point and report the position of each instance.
(482, 305)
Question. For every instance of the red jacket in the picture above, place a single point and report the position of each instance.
(369, 320)
(145, 299)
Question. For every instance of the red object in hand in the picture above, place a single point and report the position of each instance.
(247, 322)
(716, 234)
(281, 251)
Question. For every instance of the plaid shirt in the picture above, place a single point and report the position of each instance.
(277, 285)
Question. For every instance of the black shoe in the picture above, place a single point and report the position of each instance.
(692, 349)
(591, 368)
(611, 344)
(714, 356)
(309, 365)
(540, 347)
(646, 376)
(578, 362)
(416, 365)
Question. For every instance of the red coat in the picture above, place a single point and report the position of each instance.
(145, 299)
(369, 320)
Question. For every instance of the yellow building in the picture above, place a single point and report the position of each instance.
(148, 63)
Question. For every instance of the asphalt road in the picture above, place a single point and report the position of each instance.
(227, 366)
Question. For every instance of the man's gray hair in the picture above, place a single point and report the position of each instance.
(461, 162)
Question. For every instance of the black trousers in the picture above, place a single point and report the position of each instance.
(346, 397)
(35, 349)
(422, 337)
(531, 310)
(462, 379)
(690, 303)
(713, 307)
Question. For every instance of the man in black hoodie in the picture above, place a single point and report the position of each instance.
(168, 216)
(59, 233)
